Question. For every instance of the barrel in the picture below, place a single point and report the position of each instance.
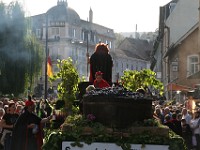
(117, 112)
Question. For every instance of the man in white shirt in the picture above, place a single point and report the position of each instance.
(186, 116)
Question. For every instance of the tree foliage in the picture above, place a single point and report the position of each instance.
(20, 52)
(145, 79)
(68, 81)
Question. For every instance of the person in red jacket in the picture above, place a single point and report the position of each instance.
(99, 82)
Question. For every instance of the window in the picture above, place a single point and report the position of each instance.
(55, 31)
(95, 39)
(127, 66)
(131, 67)
(38, 33)
(110, 44)
(193, 64)
(74, 33)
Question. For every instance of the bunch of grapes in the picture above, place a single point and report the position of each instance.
(114, 92)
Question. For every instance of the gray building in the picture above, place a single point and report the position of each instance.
(69, 35)
(131, 54)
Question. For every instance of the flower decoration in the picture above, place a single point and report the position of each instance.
(91, 117)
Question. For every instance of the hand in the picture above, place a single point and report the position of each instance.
(50, 117)
(32, 125)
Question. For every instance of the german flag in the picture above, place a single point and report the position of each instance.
(49, 67)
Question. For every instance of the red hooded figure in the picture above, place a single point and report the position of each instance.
(99, 82)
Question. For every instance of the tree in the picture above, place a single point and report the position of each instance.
(68, 82)
(20, 52)
(144, 79)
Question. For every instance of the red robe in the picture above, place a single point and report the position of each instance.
(101, 84)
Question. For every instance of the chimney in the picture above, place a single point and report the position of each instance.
(91, 16)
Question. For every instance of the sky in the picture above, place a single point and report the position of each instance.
(119, 15)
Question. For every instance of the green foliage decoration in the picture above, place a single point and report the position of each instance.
(68, 79)
(143, 79)
(76, 125)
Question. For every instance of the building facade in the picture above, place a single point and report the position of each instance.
(131, 54)
(66, 35)
(178, 44)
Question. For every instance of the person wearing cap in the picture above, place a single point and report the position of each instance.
(27, 131)
(99, 82)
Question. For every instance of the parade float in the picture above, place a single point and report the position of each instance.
(119, 117)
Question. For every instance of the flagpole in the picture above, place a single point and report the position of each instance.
(46, 57)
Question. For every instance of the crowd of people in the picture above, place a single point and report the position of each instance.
(22, 123)
(182, 121)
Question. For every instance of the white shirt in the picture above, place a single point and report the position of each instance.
(187, 117)
(194, 124)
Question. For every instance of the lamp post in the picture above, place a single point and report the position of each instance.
(46, 57)
(88, 55)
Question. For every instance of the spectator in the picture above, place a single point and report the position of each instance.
(6, 108)
(179, 116)
(177, 123)
(194, 125)
(158, 113)
(169, 123)
(186, 134)
(1, 104)
(7, 123)
(186, 115)
(19, 109)
(167, 112)
(2, 112)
